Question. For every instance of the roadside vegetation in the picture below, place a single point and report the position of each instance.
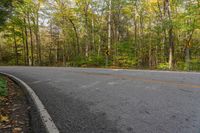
(3, 87)
(141, 34)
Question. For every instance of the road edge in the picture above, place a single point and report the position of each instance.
(47, 121)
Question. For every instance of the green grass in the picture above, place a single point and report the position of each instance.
(3, 87)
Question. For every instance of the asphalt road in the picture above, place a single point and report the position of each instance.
(116, 101)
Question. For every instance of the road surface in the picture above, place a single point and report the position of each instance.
(116, 101)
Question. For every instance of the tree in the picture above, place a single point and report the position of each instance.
(5, 10)
(154, 34)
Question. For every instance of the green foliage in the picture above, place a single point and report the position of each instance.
(95, 60)
(125, 47)
(3, 87)
(163, 66)
(5, 10)
(124, 57)
(195, 65)
(77, 61)
(181, 66)
(75, 33)
(125, 61)
(92, 61)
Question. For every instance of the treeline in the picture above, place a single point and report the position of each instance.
(153, 34)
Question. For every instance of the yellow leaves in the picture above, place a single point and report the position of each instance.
(4, 118)
(152, 6)
(153, 1)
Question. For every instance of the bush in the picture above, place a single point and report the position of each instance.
(95, 60)
(125, 61)
(163, 66)
(181, 65)
(194, 65)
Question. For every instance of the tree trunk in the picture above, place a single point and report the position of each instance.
(15, 46)
(76, 34)
(38, 41)
(37, 38)
(93, 34)
(135, 30)
(164, 39)
(187, 58)
(171, 36)
(150, 56)
(171, 48)
(31, 40)
(187, 50)
(24, 46)
(109, 31)
(26, 42)
(50, 61)
(88, 40)
(0, 54)
(64, 54)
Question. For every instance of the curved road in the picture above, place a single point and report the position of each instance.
(116, 101)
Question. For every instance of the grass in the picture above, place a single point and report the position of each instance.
(3, 87)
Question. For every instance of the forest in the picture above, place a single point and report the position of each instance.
(138, 34)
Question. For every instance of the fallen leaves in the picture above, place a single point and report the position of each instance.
(4, 118)
(17, 130)
(13, 111)
(2, 98)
